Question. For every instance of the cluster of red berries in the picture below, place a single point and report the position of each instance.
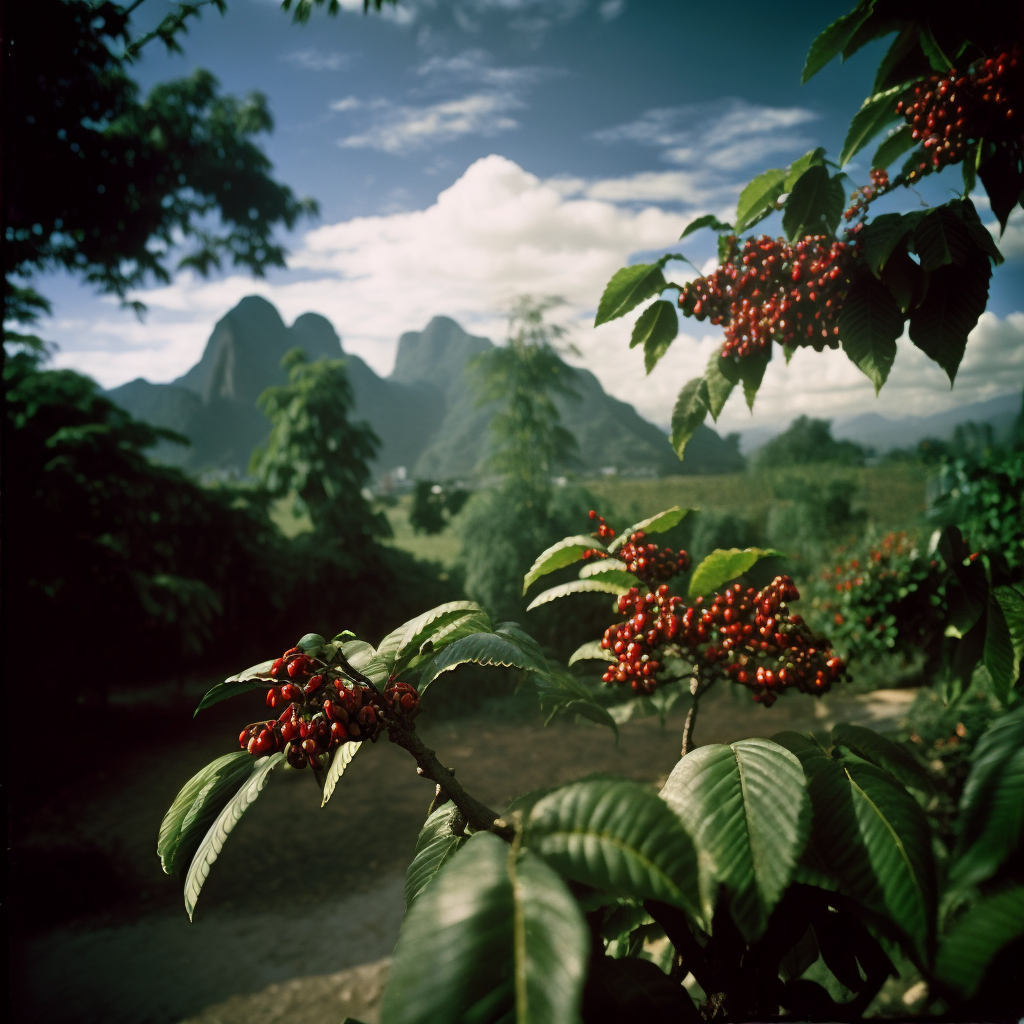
(949, 111)
(649, 562)
(655, 620)
(322, 710)
(769, 290)
(862, 197)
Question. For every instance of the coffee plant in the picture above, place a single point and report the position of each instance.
(768, 877)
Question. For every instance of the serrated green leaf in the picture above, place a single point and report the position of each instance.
(724, 565)
(592, 651)
(480, 649)
(939, 327)
(614, 582)
(979, 233)
(493, 938)
(358, 653)
(603, 566)
(977, 937)
(990, 824)
(559, 690)
(619, 837)
(1011, 600)
(435, 846)
(466, 624)
(941, 238)
(660, 523)
(831, 41)
(341, 760)
(709, 220)
(812, 158)
(719, 387)
(203, 790)
(222, 691)
(748, 371)
(999, 654)
(815, 204)
(893, 146)
(405, 641)
(870, 322)
(886, 754)
(875, 113)
(758, 199)
(213, 842)
(690, 411)
(628, 288)
(882, 235)
(565, 552)
(747, 809)
(655, 330)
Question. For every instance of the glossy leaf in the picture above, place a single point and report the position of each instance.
(591, 651)
(619, 837)
(709, 220)
(875, 113)
(493, 938)
(977, 937)
(990, 824)
(653, 524)
(614, 582)
(1011, 601)
(655, 330)
(689, 412)
(559, 555)
(435, 846)
(358, 653)
(1000, 658)
(718, 386)
(406, 640)
(893, 146)
(812, 158)
(480, 649)
(560, 691)
(602, 566)
(758, 199)
(870, 322)
(723, 566)
(222, 691)
(311, 643)
(747, 809)
(341, 760)
(871, 838)
(884, 753)
(831, 42)
(213, 842)
(941, 238)
(748, 371)
(466, 624)
(628, 288)
(950, 311)
(815, 204)
(203, 790)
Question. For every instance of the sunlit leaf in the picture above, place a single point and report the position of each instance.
(832, 40)
(480, 649)
(724, 565)
(709, 220)
(885, 753)
(689, 412)
(758, 199)
(660, 523)
(341, 760)
(614, 582)
(559, 555)
(406, 640)
(655, 330)
(628, 288)
(875, 113)
(815, 204)
(435, 845)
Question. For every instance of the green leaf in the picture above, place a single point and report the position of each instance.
(481, 649)
(341, 760)
(1000, 658)
(815, 204)
(893, 146)
(749, 370)
(690, 411)
(559, 690)
(358, 653)
(933, 51)
(603, 566)
(628, 288)
(758, 199)
(466, 624)
(979, 233)
(902, 61)
(724, 565)
(977, 937)
(871, 837)
(709, 220)
(941, 238)
(886, 754)
(203, 790)
(655, 330)
(311, 643)
(591, 651)
(660, 523)
(559, 555)
(615, 582)
(870, 322)
(747, 808)
(719, 386)
(493, 938)
(619, 837)
(882, 234)
(939, 327)
(222, 691)
(831, 42)
(991, 817)
(406, 640)
(435, 846)
(875, 113)
(213, 842)
(1011, 601)
(812, 158)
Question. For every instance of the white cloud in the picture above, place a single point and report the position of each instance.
(611, 9)
(476, 66)
(314, 60)
(348, 103)
(1011, 242)
(398, 128)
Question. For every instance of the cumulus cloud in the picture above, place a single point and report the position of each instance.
(498, 232)
(477, 67)
(314, 60)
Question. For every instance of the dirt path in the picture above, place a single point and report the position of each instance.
(101, 934)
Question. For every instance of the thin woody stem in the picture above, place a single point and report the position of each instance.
(477, 815)
(697, 689)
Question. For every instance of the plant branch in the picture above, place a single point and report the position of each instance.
(697, 690)
(676, 927)
(477, 815)
(355, 674)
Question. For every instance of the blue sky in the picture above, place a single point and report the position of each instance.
(465, 151)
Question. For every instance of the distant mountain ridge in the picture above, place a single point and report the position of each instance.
(424, 412)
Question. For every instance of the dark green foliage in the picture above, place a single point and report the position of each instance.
(806, 441)
(105, 183)
(433, 506)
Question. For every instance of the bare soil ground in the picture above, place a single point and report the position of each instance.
(300, 896)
